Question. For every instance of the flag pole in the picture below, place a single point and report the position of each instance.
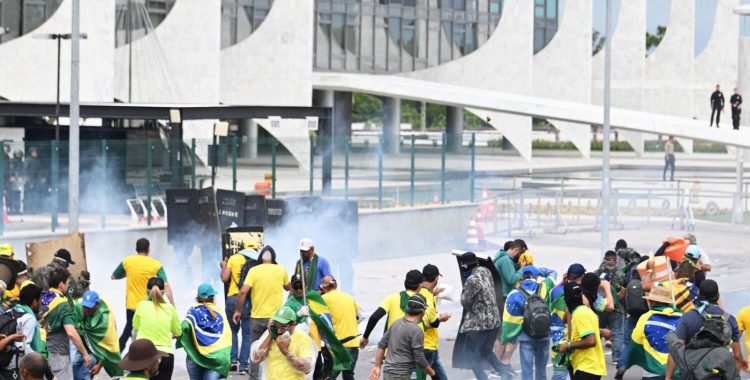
(302, 275)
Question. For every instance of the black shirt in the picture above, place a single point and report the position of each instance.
(717, 99)
(735, 101)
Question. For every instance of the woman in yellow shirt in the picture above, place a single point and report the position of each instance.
(156, 320)
(587, 354)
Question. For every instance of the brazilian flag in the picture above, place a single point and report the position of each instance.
(206, 338)
(58, 308)
(648, 348)
(515, 305)
(321, 317)
(99, 332)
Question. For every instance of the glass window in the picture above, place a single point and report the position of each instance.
(495, 6)
(552, 9)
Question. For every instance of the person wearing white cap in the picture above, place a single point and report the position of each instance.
(316, 268)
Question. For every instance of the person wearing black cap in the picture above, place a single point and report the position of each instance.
(394, 305)
(429, 291)
(694, 320)
(404, 341)
(62, 259)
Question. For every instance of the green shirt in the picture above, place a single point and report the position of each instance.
(509, 272)
(158, 325)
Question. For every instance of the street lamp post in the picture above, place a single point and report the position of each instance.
(606, 185)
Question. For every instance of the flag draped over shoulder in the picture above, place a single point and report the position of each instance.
(648, 348)
(321, 318)
(207, 338)
(100, 334)
(58, 307)
(515, 305)
(37, 343)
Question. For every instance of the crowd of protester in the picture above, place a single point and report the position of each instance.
(658, 312)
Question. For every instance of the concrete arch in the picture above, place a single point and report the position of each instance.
(35, 78)
(562, 70)
(503, 63)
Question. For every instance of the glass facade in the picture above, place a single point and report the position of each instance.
(240, 18)
(136, 18)
(407, 35)
(18, 17)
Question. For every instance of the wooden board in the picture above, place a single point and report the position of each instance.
(39, 254)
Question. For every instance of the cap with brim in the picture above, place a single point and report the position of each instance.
(530, 271)
(416, 303)
(305, 244)
(141, 355)
(660, 294)
(693, 252)
(64, 254)
(205, 290)
(22, 268)
(6, 250)
(576, 270)
(89, 299)
(284, 315)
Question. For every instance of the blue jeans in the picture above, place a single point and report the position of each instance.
(433, 357)
(615, 324)
(349, 375)
(560, 374)
(630, 323)
(534, 357)
(244, 352)
(196, 372)
(80, 372)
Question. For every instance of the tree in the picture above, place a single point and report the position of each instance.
(367, 109)
(653, 40)
(597, 42)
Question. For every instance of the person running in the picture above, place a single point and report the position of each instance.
(405, 344)
(587, 357)
(433, 319)
(285, 351)
(142, 360)
(138, 269)
(481, 320)
(231, 271)
(669, 159)
(345, 314)
(394, 305)
(648, 348)
(694, 320)
(99, 332)
(206, 338)
(156, 320)
(268, 282)
(717, 105)
(316, 268)
(534, 349)
(59, 320)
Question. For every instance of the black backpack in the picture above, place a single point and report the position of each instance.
(634, 302)
(324, 365)
(536, 315)
(8, 327)
(715, 329)
(249, 264)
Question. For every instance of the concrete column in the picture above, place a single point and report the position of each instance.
(391, 124)
(454, 128)
(249, 129)
(342, 119)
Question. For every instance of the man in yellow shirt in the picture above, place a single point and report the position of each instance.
(138, 269)
(587, 357)
(231, 269)
(268, 282)
(393, 305)
(345, 315)
(743, 321)
(288, 353)
(432, 320)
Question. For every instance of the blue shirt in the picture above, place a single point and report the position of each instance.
(324, 269)
(692, 321)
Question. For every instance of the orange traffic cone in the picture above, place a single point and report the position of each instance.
(472, 238)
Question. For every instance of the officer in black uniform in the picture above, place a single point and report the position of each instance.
(717, 105)
(736, 101)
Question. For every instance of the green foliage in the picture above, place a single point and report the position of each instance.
(411, 113)
(653, 40)
(367, 109)
(473, 122)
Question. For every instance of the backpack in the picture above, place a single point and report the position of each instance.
(9, 326)
(249, 264)
(634, 302)
(536, 315)
(715, 331)
(324, 365)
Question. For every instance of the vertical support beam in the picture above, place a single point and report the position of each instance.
(149, 173)
(234, 163)
(104, 178)
(606, 185)
(175, 155)
(74, 129)
(411, 172)
(346, 169)
(423, 117)
(442, 168)
(391, 124)
(342, 119)
(325, 141)
(380, 170)
(738, 214)
(273, 167)
(192, 163)
(2, 188)
(55, 162)
(472, 178)
(215, 157)
(454, 126)
(249, 129)
(312, 165)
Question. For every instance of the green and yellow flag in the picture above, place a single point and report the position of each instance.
(58, 310)
(321, 317)
(515, 306)
(648, 348)
(206, 338)
(37, 343)
(99, 333)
